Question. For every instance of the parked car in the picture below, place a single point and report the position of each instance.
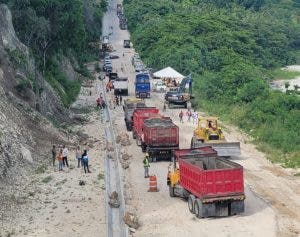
(113, 56)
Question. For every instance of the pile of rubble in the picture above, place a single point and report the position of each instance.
(123, 139)
(114, 200)
(125, 159)
(131, 220)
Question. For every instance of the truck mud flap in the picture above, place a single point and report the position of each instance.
(225, 149)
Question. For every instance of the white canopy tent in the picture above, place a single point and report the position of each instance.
(168, 72)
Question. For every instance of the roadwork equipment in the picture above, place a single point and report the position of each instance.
(139, 115)
(208, 133)
(180, 97)
(213, 186)
(129, 107)
(153, 184)
(160, 138)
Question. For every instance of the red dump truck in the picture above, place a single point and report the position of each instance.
(213, 186)
(160, 138)
(139, 115)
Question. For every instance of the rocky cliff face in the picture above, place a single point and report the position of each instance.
(26, 100)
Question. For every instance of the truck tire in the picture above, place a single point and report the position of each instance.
(191, 201)
(144, 147)
(198, 208)
(171, 191)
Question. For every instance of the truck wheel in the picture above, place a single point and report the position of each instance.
(144, 147)
(191, 201)
(198, 208)
(171, 191)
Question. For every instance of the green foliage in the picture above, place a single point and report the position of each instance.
(23, 86)
(66, 89)
(17, 57)
(52, 27)
(229, 47)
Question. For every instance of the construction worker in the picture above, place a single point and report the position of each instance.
(146, 165)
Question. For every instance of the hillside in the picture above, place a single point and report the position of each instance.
(41, 71)
(230, 49)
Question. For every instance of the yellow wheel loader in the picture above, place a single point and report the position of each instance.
(208, 133)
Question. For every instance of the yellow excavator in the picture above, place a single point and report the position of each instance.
(208, 133)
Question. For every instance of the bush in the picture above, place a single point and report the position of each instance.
(23, 86)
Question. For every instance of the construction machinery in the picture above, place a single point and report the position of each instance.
(212, 185)
(182, 95)
(208, 133)
(160, 137)
(129, 106)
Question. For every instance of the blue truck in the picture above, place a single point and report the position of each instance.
(142, 85)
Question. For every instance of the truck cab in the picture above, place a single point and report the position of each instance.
(142, 85)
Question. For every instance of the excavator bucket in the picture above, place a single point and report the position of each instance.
(223, 148)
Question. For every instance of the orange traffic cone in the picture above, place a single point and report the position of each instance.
(152, 184)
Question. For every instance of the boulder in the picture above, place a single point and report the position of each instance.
(131, 220)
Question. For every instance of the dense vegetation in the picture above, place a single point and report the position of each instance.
(230, 47)
(52, 28)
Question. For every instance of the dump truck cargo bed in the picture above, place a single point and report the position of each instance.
(129, 106)
(210, 176)
(212, 185)
(160, 138)
(139, 115)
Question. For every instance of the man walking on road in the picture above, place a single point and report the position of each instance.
(181, 116)
(54, 153)
(65, 154)
(146, 165)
